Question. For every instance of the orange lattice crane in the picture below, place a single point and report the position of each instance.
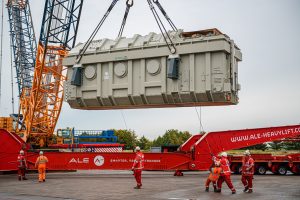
(40, 104)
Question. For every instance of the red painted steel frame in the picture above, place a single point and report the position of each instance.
(215, 142)
(195, 156)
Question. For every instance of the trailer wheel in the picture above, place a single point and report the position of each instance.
(237, 169)
(261, 170)
(282, 170)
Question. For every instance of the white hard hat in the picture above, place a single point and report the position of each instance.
(137, 148)
(247, 152)
(224, 154)
(41, 152)
(21, 152)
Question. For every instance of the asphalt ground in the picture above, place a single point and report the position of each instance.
(84, 185)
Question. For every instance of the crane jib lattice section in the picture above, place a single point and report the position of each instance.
(58, 34)
(23, 41)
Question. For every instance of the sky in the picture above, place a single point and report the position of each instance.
(267, 32)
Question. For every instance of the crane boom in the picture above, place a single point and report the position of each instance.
(23, 41)
(41, 108)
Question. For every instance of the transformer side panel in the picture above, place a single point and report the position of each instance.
(139, 73)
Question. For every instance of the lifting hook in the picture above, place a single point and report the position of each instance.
(129, 3)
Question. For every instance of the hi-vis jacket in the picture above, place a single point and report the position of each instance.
(225, 165)
(41, 160)
(138, 162)
(248, 166)
(215, 173)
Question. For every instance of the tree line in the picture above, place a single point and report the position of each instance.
(170, 137)
(276, 145)
(175, 137)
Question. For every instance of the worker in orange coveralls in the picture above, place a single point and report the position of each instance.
(225, 174)
(247, 171)
(22, 166)
(41, 164)
(137, 167)
(214, 175)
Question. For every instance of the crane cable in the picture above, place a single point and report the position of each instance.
(199, 115)
(1, 49)
(165, 34)
(12, 82)
(129, 4)
(201, 128)
(165, 14)
(87, 44)
(124, 120)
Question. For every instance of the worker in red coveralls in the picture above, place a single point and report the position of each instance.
(137, 167)
(22, 166)
(225, 174)
(215, 171)
(247, 171)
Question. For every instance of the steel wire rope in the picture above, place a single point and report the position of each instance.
(129, 4)
(199, 114)
(12, 81)
(161, 28)
(87, 44)
(1, 50)
(124, 119)
(165, 14)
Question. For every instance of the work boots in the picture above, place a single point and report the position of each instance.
(246, 188)
(138, 186)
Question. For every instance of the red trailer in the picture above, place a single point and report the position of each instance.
(279, 164)
(195, 154)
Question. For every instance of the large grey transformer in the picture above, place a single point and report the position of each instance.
(140, 72)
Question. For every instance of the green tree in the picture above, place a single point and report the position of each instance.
(158, 141)
(144, 143)
(262, 147)
(293, 145)
(172, 137)
(276, 145)
(127, 137)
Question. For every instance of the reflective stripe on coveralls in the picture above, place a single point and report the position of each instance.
(41, 162)
(138, 165)
(247, 172)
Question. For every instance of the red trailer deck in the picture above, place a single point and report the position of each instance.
(277, 164)
(194, 154)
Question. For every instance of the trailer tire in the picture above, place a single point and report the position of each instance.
(261, 170)
(282, 170)
(237, 169)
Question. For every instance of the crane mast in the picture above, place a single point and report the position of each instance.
(40, 105)
(23, 42)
